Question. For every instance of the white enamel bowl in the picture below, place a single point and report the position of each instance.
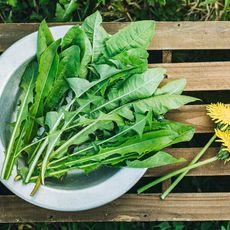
(78, 191)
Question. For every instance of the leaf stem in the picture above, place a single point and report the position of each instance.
(195, 159)
(36, 187)
(175, 173)
(10, 155)
(35, 160)
(27, 146)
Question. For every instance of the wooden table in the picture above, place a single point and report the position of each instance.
(201, 76)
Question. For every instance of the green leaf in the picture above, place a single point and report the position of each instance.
(140, 124)
(134, 57)
(173, 87)
(136, 35)
(163, 103)
(136, 87)
(26, 97)
(86, 57)
(46, 75)
(96, 34)
(185, 132)
(70, 61)
(106, 71)
(82, 108)
(77, 36)
(45, 38)
(69, 66)
(125, 112)
(161, 158)
(81, 86)
(51, 119)
(157, 104)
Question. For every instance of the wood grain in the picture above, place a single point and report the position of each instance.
(194, 115)
(130, 207)
(200, 76)
(169, 35)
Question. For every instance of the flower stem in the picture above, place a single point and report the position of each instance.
(175, 173)
(195, 159)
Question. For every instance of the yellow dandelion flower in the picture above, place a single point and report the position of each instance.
(220, 113)
(224, 138)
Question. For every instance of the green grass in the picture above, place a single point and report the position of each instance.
(123, 226)
(116, 10)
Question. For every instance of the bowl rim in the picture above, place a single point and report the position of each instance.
(48, 197)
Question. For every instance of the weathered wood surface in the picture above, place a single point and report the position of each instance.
(130, 207)
(218, 168)
(194, 115)
(169, 35)
(200, 76)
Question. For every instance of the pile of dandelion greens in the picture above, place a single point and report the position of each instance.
(89, 100)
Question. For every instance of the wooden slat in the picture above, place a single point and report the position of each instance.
(194, 115)
(218, 168)
(191, 35)
(130, 207)
(200, 76)
(169, 35)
